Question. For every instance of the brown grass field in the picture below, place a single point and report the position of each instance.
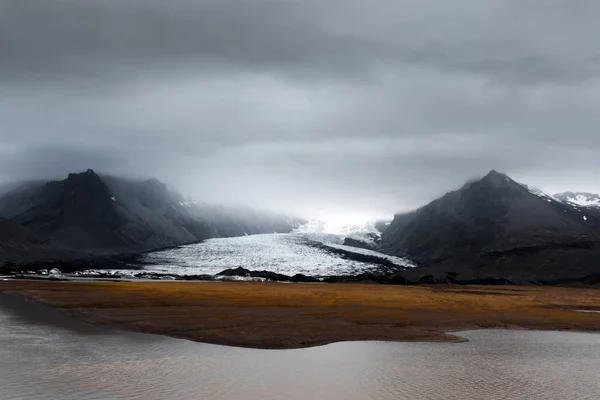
(276, 315)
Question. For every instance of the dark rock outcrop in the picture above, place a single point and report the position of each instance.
(268, 275)
(360, 244)
(383, 265)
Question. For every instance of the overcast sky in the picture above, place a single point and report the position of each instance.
(308, 106)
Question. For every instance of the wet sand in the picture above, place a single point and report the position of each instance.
(275, 315)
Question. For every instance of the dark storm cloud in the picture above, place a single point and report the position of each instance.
(70, 37)
(302, 105)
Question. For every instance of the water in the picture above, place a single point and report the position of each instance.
(44, 355)
(288, 254)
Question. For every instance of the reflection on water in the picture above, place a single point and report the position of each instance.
(44, 355)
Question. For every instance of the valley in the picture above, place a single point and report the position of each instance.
(493, 230)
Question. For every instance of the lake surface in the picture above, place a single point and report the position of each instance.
(45, 355)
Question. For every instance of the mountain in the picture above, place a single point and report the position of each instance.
(496, 227)
(15, 238)
(579, 198)
(87, 215)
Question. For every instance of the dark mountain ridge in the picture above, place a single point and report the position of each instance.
(89, 215)
(496, 227)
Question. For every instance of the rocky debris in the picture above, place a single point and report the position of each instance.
(367, 278)
(416, 277)
(301, 278)
(73, 265)
(385, 266)
(267, 275)
(370, 241)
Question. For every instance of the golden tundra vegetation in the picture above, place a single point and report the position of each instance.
(278, 315)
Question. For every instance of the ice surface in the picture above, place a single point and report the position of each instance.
(287, 254)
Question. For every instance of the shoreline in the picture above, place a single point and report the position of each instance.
(275, 316)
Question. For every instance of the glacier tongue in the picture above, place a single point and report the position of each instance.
(287, 254)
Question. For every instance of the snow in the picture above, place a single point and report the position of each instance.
(574, 202)
(583, 200)
(542, 194)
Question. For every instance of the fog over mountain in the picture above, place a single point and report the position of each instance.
(311, 107)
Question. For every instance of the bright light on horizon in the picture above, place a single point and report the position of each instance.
(342, 223)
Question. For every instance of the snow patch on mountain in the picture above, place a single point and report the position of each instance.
(542, 194)
(580, 198)
(574, 200)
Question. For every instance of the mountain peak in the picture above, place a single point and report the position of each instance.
(153, 182)
(493, 180)
(499, 180)
(495, 175)
(496, 226)
(83, 176)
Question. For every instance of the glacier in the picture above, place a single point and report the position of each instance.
(310, 250)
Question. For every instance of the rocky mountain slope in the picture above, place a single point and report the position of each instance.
(496, 227)
(87, 214)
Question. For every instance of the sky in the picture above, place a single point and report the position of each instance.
(316, 107)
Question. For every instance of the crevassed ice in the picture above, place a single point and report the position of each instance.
(288, 254)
